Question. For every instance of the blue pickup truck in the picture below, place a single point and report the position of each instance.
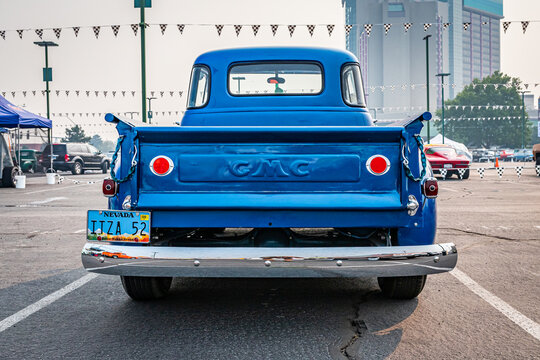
(276, 171)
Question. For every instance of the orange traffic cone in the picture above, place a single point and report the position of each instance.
(496, 162)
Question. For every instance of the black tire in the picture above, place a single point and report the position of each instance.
(402, 287)
(77, 168)
(146, 288)
(105, 167)
(537, 159)
(8, 176)
(466, 174)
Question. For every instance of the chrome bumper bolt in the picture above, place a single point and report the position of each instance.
(436, 259)
(196, 263)
(267, 263)
(339, 263)
(101, 259)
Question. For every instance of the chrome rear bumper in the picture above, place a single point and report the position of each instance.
(269, 262)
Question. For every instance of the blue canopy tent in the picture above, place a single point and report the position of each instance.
(13, 117)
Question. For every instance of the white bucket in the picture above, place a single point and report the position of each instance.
(20, 181)
(51, 178)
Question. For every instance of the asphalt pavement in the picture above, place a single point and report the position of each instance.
(489, 308)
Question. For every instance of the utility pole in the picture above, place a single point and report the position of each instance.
(142, 4)
(150, 114)
(522, 92)
(442, 75)
(426, 38)
(47, 77)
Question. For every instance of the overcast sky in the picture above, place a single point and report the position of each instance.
(109, 63)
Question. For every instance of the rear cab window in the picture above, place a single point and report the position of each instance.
(352, 88)
(199, 88)
(275, 79)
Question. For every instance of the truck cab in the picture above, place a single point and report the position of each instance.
(276, 171)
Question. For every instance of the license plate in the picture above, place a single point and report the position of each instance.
(116, 225)
(447, 166)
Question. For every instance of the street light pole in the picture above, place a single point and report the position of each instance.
(47, 77)
(523, 117)
(442, 75)
(426, 38)
(150, 114)
(142, 4)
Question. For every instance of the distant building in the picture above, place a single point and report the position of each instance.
(396, 60)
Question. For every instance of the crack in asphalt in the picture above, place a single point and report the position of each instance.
(487, 235)
(359, 328)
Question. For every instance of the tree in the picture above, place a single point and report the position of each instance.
(96, 141)
(486, 115)
(76, 134)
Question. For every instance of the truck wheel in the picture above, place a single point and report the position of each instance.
(8, 176)
(402, 287)
(466, 174)
(538, 159)
(146, 288)
(77, 168)
(105, 167)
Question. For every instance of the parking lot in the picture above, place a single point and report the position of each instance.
(488, 308)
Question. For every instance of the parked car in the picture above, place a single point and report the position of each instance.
(523, 155)
(445, 157)
(30, 160)
(536, 153)
(505, 155)
(75, 157)
(8, 170)
(278, 142)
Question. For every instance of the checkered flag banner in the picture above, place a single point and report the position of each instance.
(310, 29)
(427, 26)
(237, 29)
(163, 27)
(368, 28)
(57, 32)
(87, 93)
(161, 93)
(524, 25)
(181, 28)
(76, 30)
(291, 29)
(481, 172)
(506, 25)
(466, 25)
(446, 26)
(407, 26)
(115, 29)
(3, 34)
(67, 93)
(255, 29)
(96, 30)
(39, 32)
(443, 173)
(113, 93)
(219, 29)
(500, 171)
(20, 32)
(387, 28)
(348, 29)
(330, 29)
(519, 169)
(77, 92)
(461, 172)
(274, 29)
(537, 170)
(135, 28)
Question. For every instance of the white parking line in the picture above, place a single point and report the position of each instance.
(47, 300)
(453, 190)
(80, 231)
(48, 200)
(518, 318)
(52, 189)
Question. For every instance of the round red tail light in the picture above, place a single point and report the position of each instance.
(378, 165)
(161, 165)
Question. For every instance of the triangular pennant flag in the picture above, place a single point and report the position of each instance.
(57, 32)
(466, 25)
(123, 93)
(446, 26)
(77, 92)
(133, 93)
(526, 86)
(237, 29)
(291, 29)
(43, 92)
(161, 93)
(181, 28)
(219, 29)
(113, 93)
(76, 30)
(506, 25)
(33, 92)
(255, 29)
(427, 26)
(20, 32)
(348, 29)
(87, 93)
(57, 92)
(368, 28)
(3, 34)
(135, 28)
(171, 93)
(387, 28)
(24, 93)
(67, 93)
(96, 30)
(330, 29)
(180, 93)
(524, 25)
(97, 93)
(310, 29)
(39, 32)
(152, 93)
(274, 29)
(407, 26)
(163, 27)
(115, 29)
